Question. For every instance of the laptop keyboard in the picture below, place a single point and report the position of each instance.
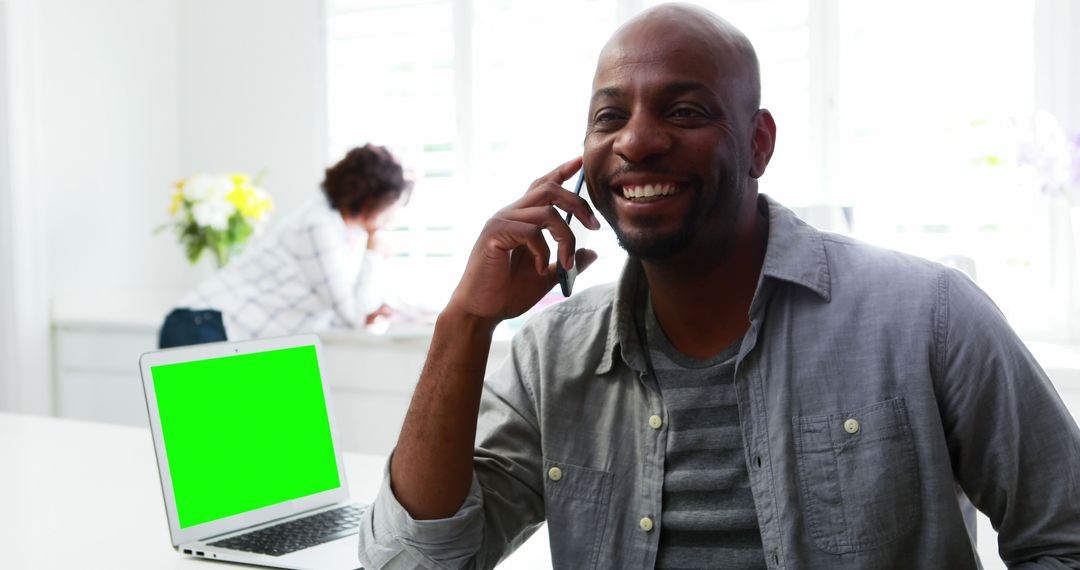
(299, 533)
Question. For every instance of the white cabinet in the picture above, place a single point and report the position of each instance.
(97, 371)
(371, 377)
(372, 380)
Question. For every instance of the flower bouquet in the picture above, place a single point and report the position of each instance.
(218, 212)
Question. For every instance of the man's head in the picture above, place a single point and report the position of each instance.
(366, 184)
(675, 139)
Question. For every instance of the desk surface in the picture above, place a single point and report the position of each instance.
(86, 495)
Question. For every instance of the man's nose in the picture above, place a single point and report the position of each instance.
(641, 138)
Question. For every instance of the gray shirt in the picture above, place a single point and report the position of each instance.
(874, 391)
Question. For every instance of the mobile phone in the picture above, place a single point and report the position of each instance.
(566, 278)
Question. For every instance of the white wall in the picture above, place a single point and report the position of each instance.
(108, 145)
(251, 91)
(109, 103)
(140, 93)
(8, 348)
(25, 373)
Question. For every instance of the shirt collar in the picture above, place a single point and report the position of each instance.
(622, 334)
(795, 254)
(796, 251)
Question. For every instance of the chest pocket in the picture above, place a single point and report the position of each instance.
(576, 504)
(858, 476)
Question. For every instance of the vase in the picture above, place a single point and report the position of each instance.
(222, 253)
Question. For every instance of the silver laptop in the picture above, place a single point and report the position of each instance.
(247, 453)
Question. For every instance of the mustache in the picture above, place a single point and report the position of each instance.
(646, 169)
(635, 169)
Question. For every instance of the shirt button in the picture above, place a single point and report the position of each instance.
(555, 473)
(851, 425)
(655, 422)
(646, 524)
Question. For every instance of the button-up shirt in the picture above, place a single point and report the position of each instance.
(877, 393)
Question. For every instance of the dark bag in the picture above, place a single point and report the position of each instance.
(184, 327)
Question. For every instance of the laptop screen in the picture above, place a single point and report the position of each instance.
(244, 432)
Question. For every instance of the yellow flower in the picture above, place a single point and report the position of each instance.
(240, 180)
(239, 199)
(266, 203)
(251, 202)
(177, 199)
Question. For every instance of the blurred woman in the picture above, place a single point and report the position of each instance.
(316, 269)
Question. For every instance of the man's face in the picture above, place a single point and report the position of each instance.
(667, 149)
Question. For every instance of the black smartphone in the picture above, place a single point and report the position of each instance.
(566, 278)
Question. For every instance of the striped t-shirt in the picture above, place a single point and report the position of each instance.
(708, 518)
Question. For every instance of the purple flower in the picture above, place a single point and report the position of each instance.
(1045, 149)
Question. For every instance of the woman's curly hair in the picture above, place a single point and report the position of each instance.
(368, 179)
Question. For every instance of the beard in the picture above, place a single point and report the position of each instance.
(652, 247)
(705, 219)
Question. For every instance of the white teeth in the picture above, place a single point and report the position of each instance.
(649, 190)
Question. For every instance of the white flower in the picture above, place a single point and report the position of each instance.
(207, 187)
(213, 212)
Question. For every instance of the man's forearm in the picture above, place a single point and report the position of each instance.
(508, 271)
(431, 470)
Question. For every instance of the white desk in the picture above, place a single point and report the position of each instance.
(86, 495)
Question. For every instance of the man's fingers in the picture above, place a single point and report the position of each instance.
(561, 174)
(517, 230)
(551, 194)
(549, 218)
(544, 217)
(584, 258)
(507, 235)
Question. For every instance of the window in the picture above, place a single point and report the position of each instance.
(392, 81)
(927, 134)
(900, 143)
(482, 97)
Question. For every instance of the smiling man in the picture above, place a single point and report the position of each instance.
(752, 393)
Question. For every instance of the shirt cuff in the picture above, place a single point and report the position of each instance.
(390, 537)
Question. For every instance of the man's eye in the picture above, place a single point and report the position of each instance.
(686, 113)
(606, 117)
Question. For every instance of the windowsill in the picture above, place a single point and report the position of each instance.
(1061, 362)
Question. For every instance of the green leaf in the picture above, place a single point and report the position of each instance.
(194, 251)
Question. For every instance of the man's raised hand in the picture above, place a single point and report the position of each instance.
(508, 270)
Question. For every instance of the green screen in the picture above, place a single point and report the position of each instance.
(243, 432)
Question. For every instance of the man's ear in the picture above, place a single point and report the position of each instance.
(762, 142)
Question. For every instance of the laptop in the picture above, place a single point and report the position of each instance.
(248, 456)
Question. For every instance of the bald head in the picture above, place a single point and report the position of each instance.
(685, 30)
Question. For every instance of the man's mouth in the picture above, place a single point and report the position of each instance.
(650, 192)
